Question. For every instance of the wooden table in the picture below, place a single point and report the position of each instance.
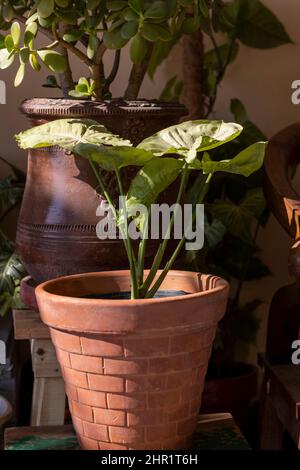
(214, 432)
(48, 400)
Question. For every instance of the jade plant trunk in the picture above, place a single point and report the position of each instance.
(134, 369)
(56, 232)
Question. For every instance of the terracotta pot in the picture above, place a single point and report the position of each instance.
(134, 369)
(56, 232)
(233, 393)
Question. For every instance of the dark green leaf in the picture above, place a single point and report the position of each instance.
(53, 60)
(138, 49)
(45, 8)
(155, 32)
(114, 39)
(30, 33)
(157, 10)
(238, 110)
(24, 55)
(258, 27)
(73, 36)
(129, 29)
(136, 5)
(92, 46)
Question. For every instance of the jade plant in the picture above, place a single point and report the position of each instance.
(169, 155)
(87, 29)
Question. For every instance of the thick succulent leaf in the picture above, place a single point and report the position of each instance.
(151, 180)
(113, 158)
(68, 133)
(6, 59)
(191, 137)
(245, 163)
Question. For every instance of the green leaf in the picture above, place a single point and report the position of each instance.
(129, 29)
(8, 12)
(136, 5)
(20, 75)
(239, 111)
(34, 63)
(11, 268)
(92, 4)
(73, 36)
(161, 51)
(245, 163)
(24, 55)
(238, 217)
(191, 25)
(30, 33)
(67, 133)
(51, 82)
(9, 43)
(53, 60)
(191, 136)
(15, 32)
(151, 180)
(154, 32)
(45, 8)
(112, 158)
(157, 10)
(214, 232)
(138, 49)
(114, 39)
(226, 52)
(116, 5)
(10, 194)
(62, 3)
(172, 90)
(258, 27)
(92, 46)
(6, 59)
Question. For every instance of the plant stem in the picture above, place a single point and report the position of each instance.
(180, 245)
(137, 75)
(66, 78)
(162, 248)
(127, 241)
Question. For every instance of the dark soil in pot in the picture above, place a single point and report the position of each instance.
(56, 232)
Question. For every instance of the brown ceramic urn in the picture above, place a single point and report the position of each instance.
(56, 232)
(134, 369)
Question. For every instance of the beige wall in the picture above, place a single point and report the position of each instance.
(261, 79)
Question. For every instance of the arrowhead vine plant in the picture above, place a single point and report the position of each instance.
(169, 155)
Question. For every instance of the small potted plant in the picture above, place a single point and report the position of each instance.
(61, 226)
(134, 345)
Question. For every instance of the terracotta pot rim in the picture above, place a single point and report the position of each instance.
(47, 288)
(59, 107)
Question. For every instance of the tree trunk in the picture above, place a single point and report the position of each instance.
(192, 63)
(137, 76)
(66, 78)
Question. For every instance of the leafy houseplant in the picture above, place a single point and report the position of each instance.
(11, 269)
(87, 29)
(144, 353)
